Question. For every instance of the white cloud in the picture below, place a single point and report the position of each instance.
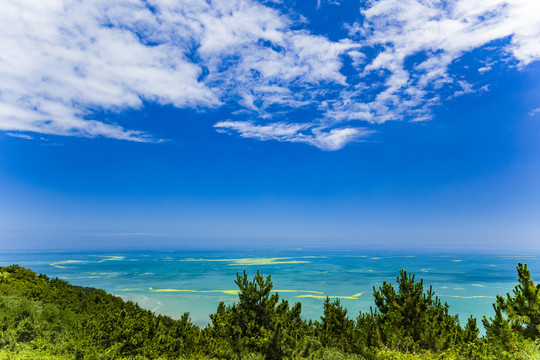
(64, 61)
(439, 33)
(21, 136)
(534, 111)
(333, 139)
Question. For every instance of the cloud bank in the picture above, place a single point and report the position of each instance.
(64, 62)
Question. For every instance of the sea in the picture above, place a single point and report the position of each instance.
(172, 282)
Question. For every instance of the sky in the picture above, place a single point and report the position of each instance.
(170, 124)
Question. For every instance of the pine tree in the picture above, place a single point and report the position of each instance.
(518, 316)
(257, 323)
(411, 318)
(335, 329)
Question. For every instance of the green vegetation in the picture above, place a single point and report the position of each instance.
(43, 318)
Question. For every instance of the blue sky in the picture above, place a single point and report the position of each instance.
(372, 124)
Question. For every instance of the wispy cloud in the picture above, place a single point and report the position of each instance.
(21, 136)
(436, 33)
(333, 139)
(65, 61)
(62, 60)
(534, 111)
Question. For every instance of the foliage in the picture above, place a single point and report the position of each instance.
(517, 317)
(258, 323)
(42, 318)
(335, 330)
(411, 319)
(54, 316)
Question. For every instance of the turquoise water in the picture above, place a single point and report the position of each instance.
(174, 282)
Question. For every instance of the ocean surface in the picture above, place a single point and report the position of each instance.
(174, 282)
